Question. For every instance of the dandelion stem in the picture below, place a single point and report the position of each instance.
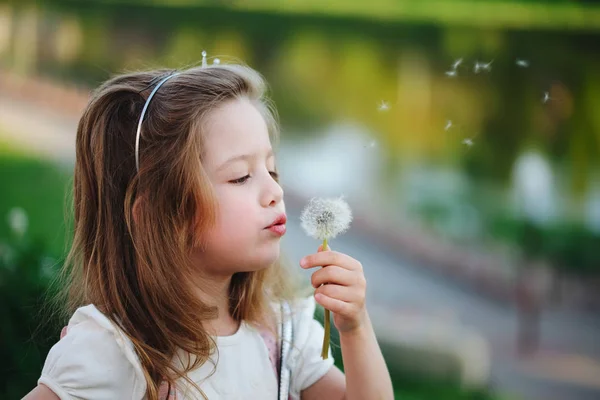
(326, 322)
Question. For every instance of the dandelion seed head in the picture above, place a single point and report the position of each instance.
(325, 218)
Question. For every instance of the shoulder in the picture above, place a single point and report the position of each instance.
(93, 360)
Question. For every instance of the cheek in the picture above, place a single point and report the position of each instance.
(235, 216)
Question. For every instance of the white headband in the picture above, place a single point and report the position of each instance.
(139, 127)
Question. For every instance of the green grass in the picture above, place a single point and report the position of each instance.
(39, 187)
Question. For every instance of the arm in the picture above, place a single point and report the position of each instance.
(341, 288)
(363, 380)
(41, 392)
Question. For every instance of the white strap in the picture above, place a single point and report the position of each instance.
(286, 335)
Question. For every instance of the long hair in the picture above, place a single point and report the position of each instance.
(137, 270)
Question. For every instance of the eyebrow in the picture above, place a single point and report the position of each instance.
(242, 157)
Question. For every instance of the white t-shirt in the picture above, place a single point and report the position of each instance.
(95, 360)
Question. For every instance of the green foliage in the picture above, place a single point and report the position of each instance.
(28, 259)
(26, 334)
(40, 190)
(570, 246)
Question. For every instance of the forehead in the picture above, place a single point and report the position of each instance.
(234, 128)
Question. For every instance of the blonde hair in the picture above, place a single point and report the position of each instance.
(136, 270)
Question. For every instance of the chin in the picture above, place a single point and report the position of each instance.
(264, 262)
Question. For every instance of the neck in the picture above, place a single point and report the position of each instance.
(214, 291)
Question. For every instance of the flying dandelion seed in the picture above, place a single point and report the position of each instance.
(203, 58)
(457, 63)
(216, 61)
(546, 97)
(481, 66)
(448, 125)
(372, 144)
(522, 63)
(468, 142)
(451, 73)
(383, 106)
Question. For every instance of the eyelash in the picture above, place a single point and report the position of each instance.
(243, 179)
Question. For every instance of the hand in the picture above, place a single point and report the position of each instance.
(340, 287)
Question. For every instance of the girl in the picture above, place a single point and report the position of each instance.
(173, 280)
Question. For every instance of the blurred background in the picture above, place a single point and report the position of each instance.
(464, 134)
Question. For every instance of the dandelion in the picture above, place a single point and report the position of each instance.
(216, 61)
(18, 221)
(383, 106)
(324, 219)
(522, 63)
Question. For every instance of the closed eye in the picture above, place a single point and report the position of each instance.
(240, 180)
(243, 179)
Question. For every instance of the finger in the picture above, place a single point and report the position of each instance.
(343, 293)
(334, 305)
(325, 258)
(333, 274)
(321, 248)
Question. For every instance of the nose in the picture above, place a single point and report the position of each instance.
(272, 194)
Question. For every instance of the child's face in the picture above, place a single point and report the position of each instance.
(249, 199)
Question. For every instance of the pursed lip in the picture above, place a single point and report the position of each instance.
(280, 220)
